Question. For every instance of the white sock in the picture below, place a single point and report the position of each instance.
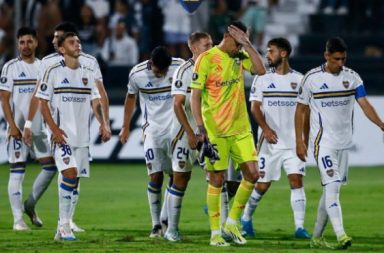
(74, 199)
(333, 207)
(15, 192)
(224, 208)
(298, 203)
(175, 199)
(154, 200)
(40, 185)
(251, 205)
(322, 217)
(164, 208)
(65, 196)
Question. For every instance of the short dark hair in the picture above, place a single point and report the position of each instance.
(161, 57)
(62, 38)
(196, 36)
(239, 25)
(335, 44)
(281, 43)
(26, 31)
(66, 27)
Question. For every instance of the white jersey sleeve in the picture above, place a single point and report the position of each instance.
(304, 95)
(45, 90)
(256, 89)
(6, 79)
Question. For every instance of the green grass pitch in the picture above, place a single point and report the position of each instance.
(114, 211)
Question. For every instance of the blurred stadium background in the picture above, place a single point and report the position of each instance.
(120, 33)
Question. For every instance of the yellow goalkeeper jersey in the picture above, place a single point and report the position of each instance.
(220, 77)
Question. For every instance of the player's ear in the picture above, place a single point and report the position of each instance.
(61, 50)
(326, 55)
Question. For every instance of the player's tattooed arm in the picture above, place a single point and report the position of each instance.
(269, 134)
(129, 106)
(300, 122)
(104, 129)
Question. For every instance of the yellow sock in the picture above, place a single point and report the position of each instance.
(241, 198)
(213, 204)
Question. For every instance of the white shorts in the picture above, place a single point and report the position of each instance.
(233, 173)
(67, 157)
(157, 154)
(333, 165)
(183, 158)
(271, 160)
(18, 151)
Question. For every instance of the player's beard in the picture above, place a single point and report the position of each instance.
(276, 63)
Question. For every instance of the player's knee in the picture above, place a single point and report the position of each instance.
(262, 187)
(70, 173)
(157, 178)
(295, 181)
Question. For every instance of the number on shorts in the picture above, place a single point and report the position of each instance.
(182, 151)
(327, 162)
(16, 144)
(149, 154)
(66, 150)
(262, 163)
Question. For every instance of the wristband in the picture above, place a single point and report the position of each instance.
(28, 124)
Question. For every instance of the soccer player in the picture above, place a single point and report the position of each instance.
(273, 103)
(67, 91)
(184, 141)
(152, 80)
(330, 92)
(86, 60)
(17, 83)
(219, 109)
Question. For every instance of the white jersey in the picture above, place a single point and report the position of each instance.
(278, 95)
(331, 99)
(19, 78)
(180, 86)
(70, 92)
(154, 95)
(85, 60)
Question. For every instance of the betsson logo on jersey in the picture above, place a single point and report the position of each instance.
(281, 103)
(73, 99)
(158, 98)
(335, 103)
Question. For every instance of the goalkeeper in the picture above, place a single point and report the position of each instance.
(219, 107)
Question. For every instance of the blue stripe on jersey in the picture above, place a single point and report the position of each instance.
(332, 94)
(24, 82)
(156, 90)
(72, 90)
(360, 92)
(280, 94)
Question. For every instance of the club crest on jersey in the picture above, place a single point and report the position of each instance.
(330, 173)
(190, 5)
(262, 174)
(149, 166)
(85, 81)
(178, 83)
(3, 79)
(293, 86)
(181, 164)
(346, 84)
(43, 87)
(66, 160)
(17, 154)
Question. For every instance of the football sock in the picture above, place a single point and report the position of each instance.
(175, 198)
(66, 188)
(322, 217)
(15, 189)
(75, 199)
(213, 204)
(240, 200)
(298, 203)
(154, 200)
(251, 205)
(42, 182)
(164, 209)
(333, 207)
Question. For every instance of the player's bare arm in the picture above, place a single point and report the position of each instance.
(178, 107)
(98, 111)
(104, 100)
(300, 118)
(33, 107)
(58, 135)
(129, 106)
(13, 130)
(243, 39)
(197, 115)
(370, 112)
(268, 133)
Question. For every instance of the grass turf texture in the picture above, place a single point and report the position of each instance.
(114, 211)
